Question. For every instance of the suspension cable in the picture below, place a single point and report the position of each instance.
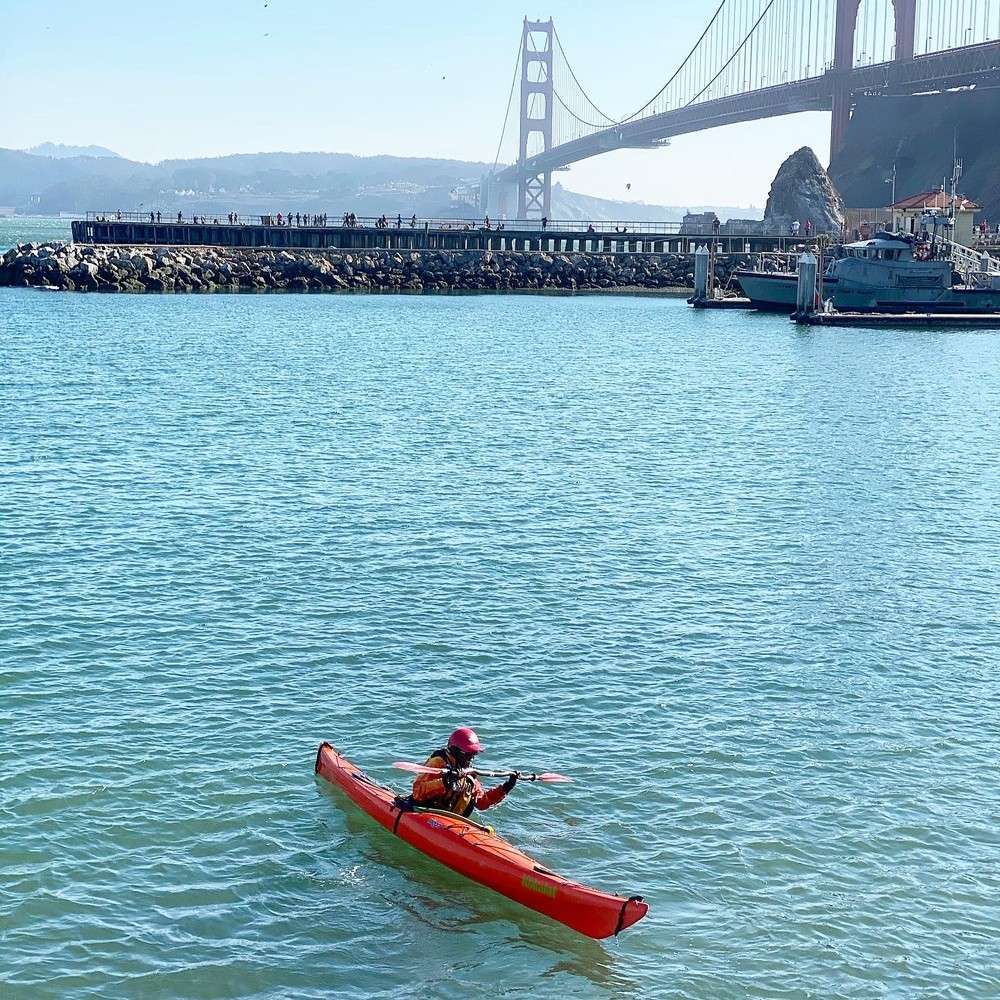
(510, 102)
(611, 122)
(729, 61)
(687, 59)
(684, 67)
(569, 66)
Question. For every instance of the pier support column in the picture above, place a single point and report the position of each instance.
(701, 263)
(805, 292)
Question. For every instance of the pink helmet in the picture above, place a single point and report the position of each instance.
(466, 740)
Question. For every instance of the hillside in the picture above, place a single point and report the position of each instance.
(571, 205)
(920, 135)
(60, 152)
(270, 182)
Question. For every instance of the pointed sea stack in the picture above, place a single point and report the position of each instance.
(802, 191)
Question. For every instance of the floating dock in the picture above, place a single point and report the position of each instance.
(733, 302)
(974, 321)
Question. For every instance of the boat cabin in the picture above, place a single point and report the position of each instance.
(880, 248)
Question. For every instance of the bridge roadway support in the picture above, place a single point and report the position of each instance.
(534, 199)
(843, 59)
(497, 198)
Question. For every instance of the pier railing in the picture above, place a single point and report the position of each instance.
(368, 233)
(310, 220)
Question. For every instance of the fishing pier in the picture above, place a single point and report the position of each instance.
(136, 229)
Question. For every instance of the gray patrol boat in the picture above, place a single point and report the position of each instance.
(892, 274)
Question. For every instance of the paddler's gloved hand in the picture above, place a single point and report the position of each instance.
(508, 785)
(450, 778)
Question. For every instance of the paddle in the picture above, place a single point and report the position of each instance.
(547, 777)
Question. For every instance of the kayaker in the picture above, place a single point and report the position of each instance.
(451, 791)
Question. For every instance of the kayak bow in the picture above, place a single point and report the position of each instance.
(479, 854)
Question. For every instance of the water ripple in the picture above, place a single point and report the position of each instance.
(739, 580)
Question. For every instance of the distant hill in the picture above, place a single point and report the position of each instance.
(259, 183)
(570, 205)
(60, 152)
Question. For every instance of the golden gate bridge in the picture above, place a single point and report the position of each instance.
(755, 59)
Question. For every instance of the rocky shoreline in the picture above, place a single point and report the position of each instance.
(86, 268)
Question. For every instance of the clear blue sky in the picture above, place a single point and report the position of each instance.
(154, 80)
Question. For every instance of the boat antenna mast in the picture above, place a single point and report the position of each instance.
(956, 176)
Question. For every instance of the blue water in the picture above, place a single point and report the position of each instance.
(17, 229)
(737, 578)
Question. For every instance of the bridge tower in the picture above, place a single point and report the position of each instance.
(843, 58)
(534, 191)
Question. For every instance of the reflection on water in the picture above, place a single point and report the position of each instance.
(447, 901)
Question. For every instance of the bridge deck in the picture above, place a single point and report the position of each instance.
(970, 65)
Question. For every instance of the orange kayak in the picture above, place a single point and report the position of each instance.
(479, 854)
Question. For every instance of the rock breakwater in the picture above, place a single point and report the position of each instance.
(85, 268)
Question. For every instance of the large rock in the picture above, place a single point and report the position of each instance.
(207, 269)
(803, 192)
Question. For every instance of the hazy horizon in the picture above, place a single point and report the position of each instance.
(288, 75)
(328, 152)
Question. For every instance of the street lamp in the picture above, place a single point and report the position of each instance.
(891, 179)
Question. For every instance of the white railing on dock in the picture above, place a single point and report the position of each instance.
(976, 265)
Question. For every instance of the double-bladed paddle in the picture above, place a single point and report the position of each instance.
(547, 776)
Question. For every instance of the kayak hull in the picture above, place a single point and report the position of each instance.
(480, 855)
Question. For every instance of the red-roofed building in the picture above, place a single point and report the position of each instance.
(911, 214)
